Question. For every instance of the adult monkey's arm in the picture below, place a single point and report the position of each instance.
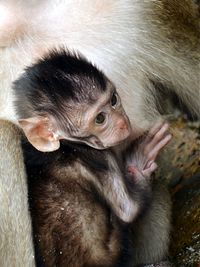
(16, 249)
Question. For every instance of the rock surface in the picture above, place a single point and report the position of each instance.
(180, 166)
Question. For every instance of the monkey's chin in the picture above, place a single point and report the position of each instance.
(97, 144)
(100, 146)
(114, 144)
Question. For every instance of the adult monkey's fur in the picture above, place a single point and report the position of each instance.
(15, 226)
(136, 43)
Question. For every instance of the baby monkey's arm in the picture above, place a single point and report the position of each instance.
(128, 192)
(140, 163)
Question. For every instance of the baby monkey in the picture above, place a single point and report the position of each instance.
(81, 201)
(82, 194)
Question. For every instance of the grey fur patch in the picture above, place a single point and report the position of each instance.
(160, 264)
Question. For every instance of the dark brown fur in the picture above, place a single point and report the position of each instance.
(79, 197)
(73, 227)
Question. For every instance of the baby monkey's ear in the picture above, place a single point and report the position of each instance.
(41, 133)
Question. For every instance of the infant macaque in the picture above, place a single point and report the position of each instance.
(84, 194)
(82, 199)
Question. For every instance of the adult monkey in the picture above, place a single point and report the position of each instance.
(138, 44)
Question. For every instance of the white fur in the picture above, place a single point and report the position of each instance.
(124, 38)
(15, 227)
(120, 37)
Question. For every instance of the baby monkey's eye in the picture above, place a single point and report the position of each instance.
(100, 118)
(114, 99)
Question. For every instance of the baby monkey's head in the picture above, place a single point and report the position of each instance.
(63, 96)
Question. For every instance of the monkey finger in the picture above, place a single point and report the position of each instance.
(152, 155)
(147, 172)
(159, 134)
(148, 164)
(154, 130)
(157, 138)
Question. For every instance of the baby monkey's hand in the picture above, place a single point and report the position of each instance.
(145, 151)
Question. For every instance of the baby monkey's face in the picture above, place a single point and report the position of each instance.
(102, 124)
(68, 98)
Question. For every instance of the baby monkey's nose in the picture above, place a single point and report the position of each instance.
(122, 124)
